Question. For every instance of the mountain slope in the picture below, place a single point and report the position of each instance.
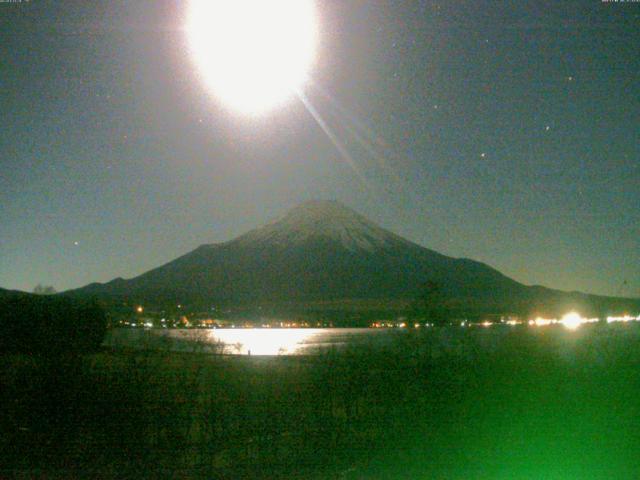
(321, 251)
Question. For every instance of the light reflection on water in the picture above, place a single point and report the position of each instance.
(241, 341)
(263, 341)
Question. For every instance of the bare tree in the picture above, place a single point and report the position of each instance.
(431, 303)
(44, 289)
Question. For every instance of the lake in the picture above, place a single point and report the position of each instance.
(245, 341)
(465, 342)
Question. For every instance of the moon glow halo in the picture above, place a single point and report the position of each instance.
(253, 54)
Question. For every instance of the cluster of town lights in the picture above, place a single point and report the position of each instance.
(624, 318)
(571, 321)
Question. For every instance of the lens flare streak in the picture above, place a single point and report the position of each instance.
(360, 131)
(333, 137)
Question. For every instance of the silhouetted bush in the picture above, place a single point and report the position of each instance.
(50, 325)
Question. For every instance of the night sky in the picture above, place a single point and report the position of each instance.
(507, 132)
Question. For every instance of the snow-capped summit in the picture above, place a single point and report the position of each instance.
(322, 219)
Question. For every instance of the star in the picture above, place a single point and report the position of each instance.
(483, 155)
(76, 243)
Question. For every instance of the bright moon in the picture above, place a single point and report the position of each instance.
(253, 54)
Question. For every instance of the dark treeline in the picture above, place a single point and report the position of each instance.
(434, 304)
(50, 325)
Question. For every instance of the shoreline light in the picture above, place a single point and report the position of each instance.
(623, 318)
(542, 322)
(571, 320)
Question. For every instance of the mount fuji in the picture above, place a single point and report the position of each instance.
(322, 253)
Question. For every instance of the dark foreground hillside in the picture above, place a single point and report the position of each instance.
(491, 403)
